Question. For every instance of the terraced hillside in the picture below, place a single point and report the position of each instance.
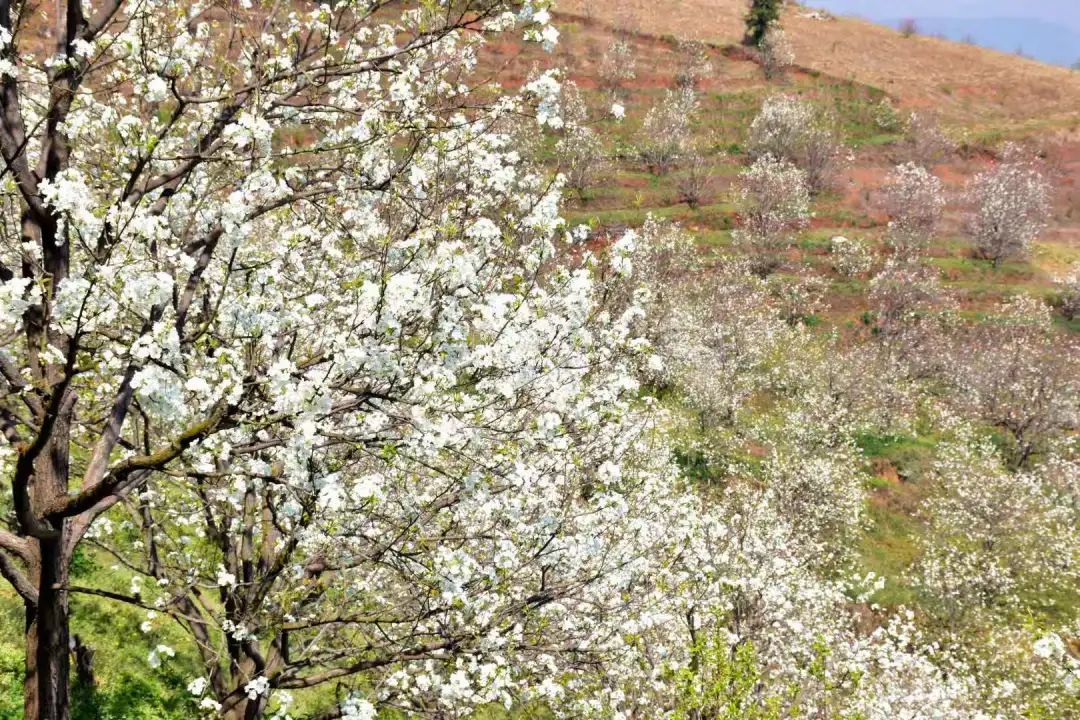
(856, 485)
(847, 68)
(732, 93)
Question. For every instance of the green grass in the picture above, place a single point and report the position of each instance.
(1072, 326)
(898, 449)
(127, 688)
(715, 215)
(889, 548)
(983, 269)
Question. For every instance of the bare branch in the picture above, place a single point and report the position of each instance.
(18, 579)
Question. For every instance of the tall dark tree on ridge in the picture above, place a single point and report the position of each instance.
(761, 14)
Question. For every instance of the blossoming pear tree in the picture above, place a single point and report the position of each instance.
(218, 223)
(774, 203)
(914, 199)
(666, 129)
(1069, 292)
(1010, 207)
(792, 129)
(997, 537)
(1022, 377)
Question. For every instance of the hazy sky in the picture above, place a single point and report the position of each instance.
(1066, 12)
(1045, 29)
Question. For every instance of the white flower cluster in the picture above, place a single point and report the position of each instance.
(850, 258)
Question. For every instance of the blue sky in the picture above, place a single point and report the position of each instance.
(1048, 30)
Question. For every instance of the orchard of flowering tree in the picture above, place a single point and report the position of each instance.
(314, 405)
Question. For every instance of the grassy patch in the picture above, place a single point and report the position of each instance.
(911, 456)
(715, 215)
(889, 548)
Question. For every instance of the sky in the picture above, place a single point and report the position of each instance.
(1047, 30)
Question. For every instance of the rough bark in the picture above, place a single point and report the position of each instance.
(47, 641)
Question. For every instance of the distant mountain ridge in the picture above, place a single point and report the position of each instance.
(1039, 39)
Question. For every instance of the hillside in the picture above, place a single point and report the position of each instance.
(967, 85)
(1003, 97)
(395, 361)
(730, 96)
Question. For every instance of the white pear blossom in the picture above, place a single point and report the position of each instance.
(158, 654)
(255, 688)
(1049, 646)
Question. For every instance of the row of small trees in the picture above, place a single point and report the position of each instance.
(1009, 202)
(1010, 206)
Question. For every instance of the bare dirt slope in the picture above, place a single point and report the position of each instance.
(964, 84)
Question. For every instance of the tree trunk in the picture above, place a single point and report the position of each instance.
(47, 641)
(48, 648)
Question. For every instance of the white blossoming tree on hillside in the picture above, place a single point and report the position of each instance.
(580, 150)
(776, 52)
(618, 65)
(925, 143)
(1017, 373)
(907, 299)
(793, 129)
(1010, 207)
(666, 130)
(1069, 288)
(997, 537)
(914, 199)
(774, 204)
